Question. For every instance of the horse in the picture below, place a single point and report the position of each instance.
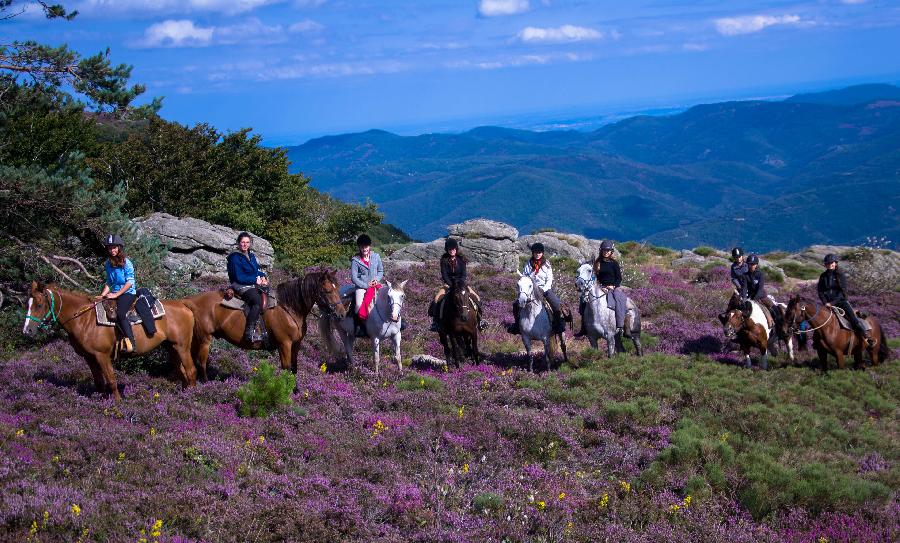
(600, 320)
(778, 317)
(49, 304)
(286, 322)
(383, 322)
(750, 329)
(459, 326)
(535, 322)
(830, 337)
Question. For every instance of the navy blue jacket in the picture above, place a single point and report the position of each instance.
(453, 275)
(243, 270)
(739, 278)
(832, 287)
(756, 288)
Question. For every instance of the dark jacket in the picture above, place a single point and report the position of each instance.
(453, 274)
(756, 289)
(832, 286)
(608, 272)
(243, 270)
(739, 278)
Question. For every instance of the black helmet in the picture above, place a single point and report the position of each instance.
(737, 252)
(753, 259)
(606, 245)
(113, 239)
(537, 247)
(450, 244)
(363, 241)
(829, 258)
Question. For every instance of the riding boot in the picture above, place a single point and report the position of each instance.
(581, 331)
(559, 325)
(248, 331)
(514, 327)
(402, 324)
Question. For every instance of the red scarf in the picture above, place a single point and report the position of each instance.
(536, 265)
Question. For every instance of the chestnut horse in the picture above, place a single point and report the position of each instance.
(459, 326)
(286, 322)
(750, 329)
(49, 304)
(830, 337)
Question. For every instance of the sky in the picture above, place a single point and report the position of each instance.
(295, 69)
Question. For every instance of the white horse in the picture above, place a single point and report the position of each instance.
(534, 321)
(383, 323)
(600, 319)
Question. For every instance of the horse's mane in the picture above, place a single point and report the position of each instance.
(300, 294)
(53, 285)
(538, 293)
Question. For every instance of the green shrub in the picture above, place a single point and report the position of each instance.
(773, 275)
(417, 381)
(488, 503)
(704, 250)
(798, 270)
(266, 391)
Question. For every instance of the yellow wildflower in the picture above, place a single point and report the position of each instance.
(121, 457)
(541, 505)
(460, 411)
(421, 382)
(56, 458)
(674, 508)
(823, 539)
(485, 385)
(724, 437)
(152, 431)
(33, 529)
(687, 502)
(604, 500)
(569, 527)
(324, 367)
(465, 468)
(262, 439)
(625, 485)
(562, 496)
(20, 432)
(306, 394)
(156, 529)
(75, 509)
(378, 427)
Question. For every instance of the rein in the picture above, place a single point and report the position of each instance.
(51, 316)
(830, 314)
(391, 304)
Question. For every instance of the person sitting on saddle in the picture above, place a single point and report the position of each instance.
(738, 278)
(247, 281)
(366, 272)
(609, 277)
(832, 290)
(122, 287)
(453, 274)
(539, 269)
(756, 289)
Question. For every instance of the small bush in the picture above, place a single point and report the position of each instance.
(704, 250)
(773, 275)
(266, 391)
(799, 271)
(487, 503)
(416, 381)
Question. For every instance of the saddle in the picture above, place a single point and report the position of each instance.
(348, 298)
(106, 311)
(845, 322)
(770, 319)
(232, 301)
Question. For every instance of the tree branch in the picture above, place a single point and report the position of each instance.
(62, 274)
(77, 263)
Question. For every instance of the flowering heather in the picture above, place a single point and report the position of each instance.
(671, 447)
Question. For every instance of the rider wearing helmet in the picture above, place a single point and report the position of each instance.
(247, 281)
(832, 290)
(609, 276)
(453, 274)
(738, 276)
(121, 287)
(366, 271)
(755, 281)
(538, 267)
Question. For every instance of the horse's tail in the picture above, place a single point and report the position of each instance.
(884, 352)
(326, 330)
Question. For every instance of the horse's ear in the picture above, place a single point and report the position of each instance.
(520, 273)
(37, 286)
(388, 283)
(723, 317)
(402, 284)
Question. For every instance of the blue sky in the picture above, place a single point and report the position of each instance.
(292, 69)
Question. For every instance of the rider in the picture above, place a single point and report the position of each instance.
(833, 292)
(121, 287)
(738, 277)
(755, 282)
(366, 271)
(540, 270)
(247, 280)
(453, 273)
(609, 276)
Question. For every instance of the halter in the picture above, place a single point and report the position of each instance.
(391, 304)
(803, 309)
(51, 316)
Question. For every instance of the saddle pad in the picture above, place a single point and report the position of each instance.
(158, 311)
(845, 323)
(237, 303)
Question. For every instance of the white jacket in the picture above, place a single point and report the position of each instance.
(543, 278)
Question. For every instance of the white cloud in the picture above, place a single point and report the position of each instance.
(747, 24)
(853, 2)
(229, 7)
(496, 8)
(565, 33)
(520, 60)
(306, 25)
(184, 33)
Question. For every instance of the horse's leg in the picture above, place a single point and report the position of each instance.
(397, 352)
(562, 347)
(295, 356)
(748, 363)
(592, 339)
(202, 356)
(376, 347)
(763, 359)
(839, 355)
(96, 372)
(610, 344)
(527, 342)
(823, 357)
(790, 347)
(284, 353)
(547, 348)
(180, 356)
(476, 354)
(109, 375)
(638, 349)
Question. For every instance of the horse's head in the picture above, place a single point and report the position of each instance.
(732, 321)
(43, 308)
(793, 315)
(330, 297)
(526, 290)
(396, 296)
(585, 278)
(460, 296)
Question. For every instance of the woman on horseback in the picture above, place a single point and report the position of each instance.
(121, 287)
(609, 276)
(453, 274)
(366, 271)
(832, 290)
(738, 278)
(541, 271)
(247, 280)
(755, 283)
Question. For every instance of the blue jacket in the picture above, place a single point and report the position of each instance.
(243, 270)
(361, 274)
(117, 277)
(739, 278)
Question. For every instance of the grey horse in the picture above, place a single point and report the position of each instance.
(600, 320)
(534, 321)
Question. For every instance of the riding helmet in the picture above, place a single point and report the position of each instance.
(537, 247)
(753, 259)
(606, 245)
(113, 239)
(737, 252)
(363, 241)
(829, 258)
(450, 244)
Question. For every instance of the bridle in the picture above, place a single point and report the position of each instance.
(818, 308)
(51, 316)
(391, 305)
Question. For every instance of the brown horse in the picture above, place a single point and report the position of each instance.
(49, 304)
(830, 337)
(459, 326)
(750, 329)
(286, 322)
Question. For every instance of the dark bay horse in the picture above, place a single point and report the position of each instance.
(459, 326)
(49, 304)
(286, 322)
(830, 337)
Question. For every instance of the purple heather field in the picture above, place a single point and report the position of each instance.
(489, 452)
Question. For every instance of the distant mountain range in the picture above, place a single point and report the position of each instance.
(814, 168)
